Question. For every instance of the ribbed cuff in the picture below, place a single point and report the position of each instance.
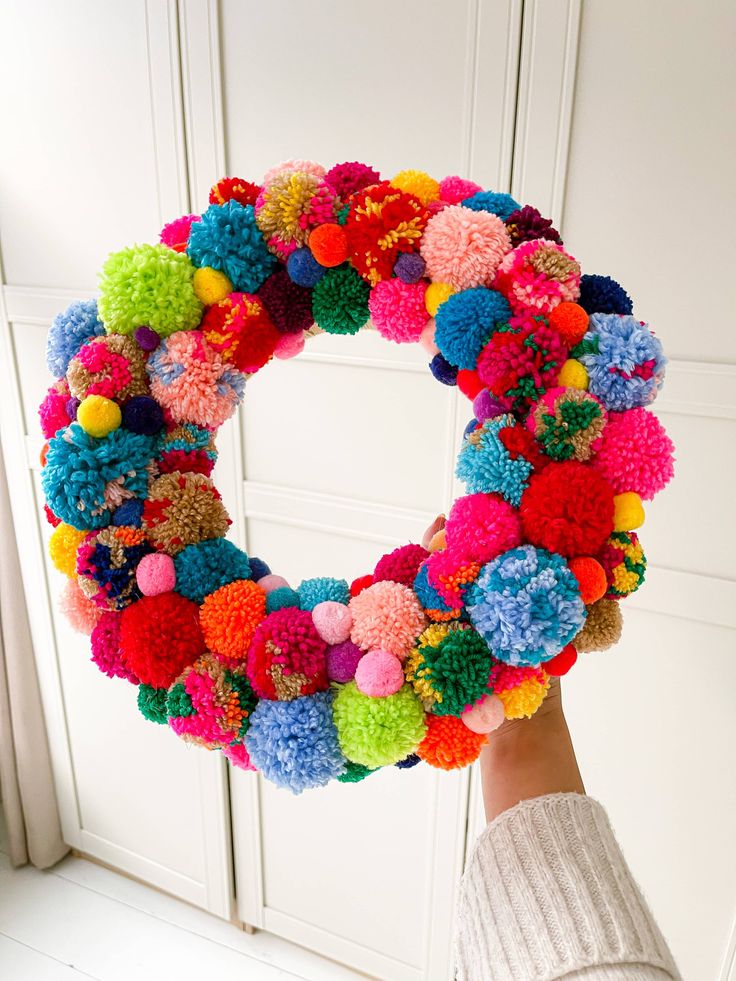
(548, 893)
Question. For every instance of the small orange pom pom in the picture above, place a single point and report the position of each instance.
(562, 662)
(570, 321)
(329, 245)
(229, 617)
(42, 454)
(469, 383)
(591, 577)
(449, 744)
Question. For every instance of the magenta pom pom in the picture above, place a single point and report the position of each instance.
(401, 565)
(342, 660)
(453, 189)
(156, 574)
(463, 247)
(288, 346)
(176, 233)
(635, 453)
(333, 621)
(106, 651)
(238, 756)
(397, 310)
(54, 410)
(347, 178)
(538, 275)
(482, 526)
(379, 674)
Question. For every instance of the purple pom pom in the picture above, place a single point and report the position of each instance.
(342, 660)
(146, 338)
(485, 406)
(409, 267)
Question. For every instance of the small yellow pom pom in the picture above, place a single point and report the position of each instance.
(418, 183)
(211, 285)
(438, 542)
(524, 700)
(98, 416)
(63, 546)
(573, 375)
(436, 295)
(628, 512)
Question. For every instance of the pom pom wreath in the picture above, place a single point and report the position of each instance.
(397, 310)
(465, 322)
(435, 296)
(79, 610)
(350, 177)
(570, 321)
(303, 269)
(527, 224)
(624, 564)
(63, 545)
(234, 189)
(342, 660)
(322, 588)
(328, 244)
(482, 526)
(379, 674)
(526, 605)
(496, 203)
(340, 301)
(111, 366)
(187, 448)
(288, 305)
(144, 415)
(85, 479)
(568, 508)
(387, 616)
(443, 371)
(286, 658)
(401, 565)
(152, 704)
(294, 744)
(210, 704)
(159, 637)
(238, 755)
(382, 222)
(418, 183)
(454, 189)
(148, 285)
(53, 412)
(229, 617)
(378, 731)
(518, 364)
(175, 234)
(450, 673)
(573, 375)
(628, 512)
(99, 416)
(602, 628)
(106, 565)
(68, 332)
(332, 621)
(522, 701)
(591, 578)
(485, 716)
(227, 238)
(486, 466)
(561, 663)
(105, 646)
(203, 568)
(624, 360)
(291, 205)
(183, 509)
(635, 453)
(240, 331)
(464, 247)
(410, 267)
(568, 424)
(449, 744)
(156, 574)
(282, 598)
(538, 275)
(601, 294)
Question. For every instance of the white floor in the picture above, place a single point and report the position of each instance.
(82, 921)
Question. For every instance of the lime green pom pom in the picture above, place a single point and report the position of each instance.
(378, 731)
(340, 301)
(354, 772)
(152, 703)
(148, 285)
(454, 672)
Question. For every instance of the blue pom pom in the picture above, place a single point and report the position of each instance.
(203, 568)
(499, 204)
(526, 605)
(79, 469)
(258, 568)
(442, 370)
(319, 590)
(294, 744)
(601, 294)
(129, 514)
(142, 414)
(465, 322)
(280, 598)
(303, 268)
(69, 331)
(470, 428)
(427, 594)
(625, 361)
(486, 467)
(227, 238)
(409, 762)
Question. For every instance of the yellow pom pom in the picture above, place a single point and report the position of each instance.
(211, 285)
(439, 541)
(98, 416)
(573, 375)
(436, 295)
(63, 546)
(418, 183)
(628, 512)
(524, 700)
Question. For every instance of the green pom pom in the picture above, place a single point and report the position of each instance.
(455, 671)
(354, 772)
(378, 731)
(152, 703)
(247, 698)
(148, 285)
(178, 702)
(340, 301)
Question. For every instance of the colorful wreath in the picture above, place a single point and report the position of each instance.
(422, 658)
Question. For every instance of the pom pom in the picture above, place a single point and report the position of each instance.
(183, 509)
(211, 285)
(142, 414)
(288, 305)
(80, 611)
(270, 582)
(570, 321)
(359, 584)
(379, 674)
(258, 569)
(156, 574)
(485, 716)
(340, 301)
(287, 657)
(148, 285)
(152, 704)
(464, 248)
(319, 590)
(409, 267)
(328, 244)
(628, 512)
(602, 627)
(448, 744)
(522, 701)
(481, 526)
(354, 772)
(227, 238)
(382, 222)
(397, 310)
(449, 574)
(435, 296)
(191, 381)
(129, 513)
(290, 205)
(624, 563)
(303, 269)
(601, 294)
(378, 731)
(449, 672)
(282, 598)
(238, 755)
(527, 224)
(487, 406)
(519, 364)
(234, 189)
(146, 339)
(294, 744)
(289, 166)
(408, 763)
(526, 605)
(496, 203)
(486, 466)
(210, 704)
(99, 416)
(573, 375)
(110, 366)
(624, 360)
(229, 617)
(240, 331)
(105, 646)
(175, 234)
(387, 616)
(435, 605)
(538, 275)
(342, 660)
(469, 384)
(443, 371)
(635, 453)
(568, 424)
(68, 332)
(289, 346)
(418, 183)
(187, 448)
(464, 323)
(350, 177)
(159, 637)
(454, 189)
(591, 578)
(401, 565)
(106, 565)
(332, 621)
(63, 545)
(561, 663)
(53, 412)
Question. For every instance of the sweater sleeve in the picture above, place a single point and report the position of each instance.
(547, 894)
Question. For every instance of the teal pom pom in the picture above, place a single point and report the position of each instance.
(319, 590)
(203, 568)
(152, 703)
(340, 301)
(486, 467)
(69, 331)
(499, 203)
(465, 322)
(280, 598)
(227, 238)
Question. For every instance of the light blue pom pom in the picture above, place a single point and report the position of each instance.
(314, 591)
(465, 322)
(486, 467)
(625, 361)
(69, 331)
(227, 238)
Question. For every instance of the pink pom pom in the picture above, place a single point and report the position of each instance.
(538, 275)
(426, 338)
(53, 411)
(270, 582)
(453, 189)
(401, 565)
(289, 345)
(238, 756)
(106, 652)
(176, 233)
(333, 621)
(635, 453)
(81, 612)
(386, 615)
(485, 716)
(482, 526)
(290, 166)
(397, 310)
(156, 574)
(463, 247)
(342, 660)
(379, 674)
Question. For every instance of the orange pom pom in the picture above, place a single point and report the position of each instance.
(329, 245)
(591, 577)
(229, 617)
(562, 662)
(570, 321)
(42, 454)
(449, 744)
(469, 383)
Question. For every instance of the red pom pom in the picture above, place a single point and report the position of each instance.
(401, 565)
(287, 657)
(159, 637)
(361, 583)
(241, 331)
(591, 577)
(234, 189)
(570, 321)
(521, 443)
(328, 244)
(51, 517)
(562, 662)
(567, 508)
(469, 383)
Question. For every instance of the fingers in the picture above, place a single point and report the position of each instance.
(437, 525)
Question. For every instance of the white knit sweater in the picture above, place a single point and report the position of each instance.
(547, 894)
